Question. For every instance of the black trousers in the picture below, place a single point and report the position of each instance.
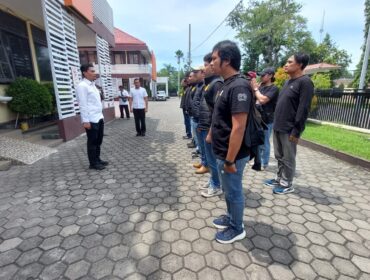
(127, 111)
(139, 115)
(94, 141)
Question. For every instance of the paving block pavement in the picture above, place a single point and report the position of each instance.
(143, 216)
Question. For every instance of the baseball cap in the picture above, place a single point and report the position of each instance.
(198, 68)
(251, 74)
(269, 71)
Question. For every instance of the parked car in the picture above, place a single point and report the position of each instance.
(161, 95)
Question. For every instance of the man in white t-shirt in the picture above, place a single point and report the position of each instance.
(139, 106)
(123, 101)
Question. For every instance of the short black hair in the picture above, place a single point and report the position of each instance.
(207, 58)
(85, 67)
(228, 51)
(136, 79)
(302, 58)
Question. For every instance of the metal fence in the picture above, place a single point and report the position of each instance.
(348, 106)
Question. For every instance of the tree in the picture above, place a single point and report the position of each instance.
(268, 28)
(169, 71)
(328, 52)
(321, 81)
(359, 65)
(179, 55)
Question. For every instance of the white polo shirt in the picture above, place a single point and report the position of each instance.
(88, 97)
(137, 96)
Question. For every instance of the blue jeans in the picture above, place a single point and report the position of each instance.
(264, 150)
(232, 186)
(194, 126)
(201, 144)
(214, 181)
(187, 124)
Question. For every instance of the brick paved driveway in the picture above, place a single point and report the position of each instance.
(143, 217)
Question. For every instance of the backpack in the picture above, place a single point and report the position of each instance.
(254, 133)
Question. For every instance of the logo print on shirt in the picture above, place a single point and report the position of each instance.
(242, 97)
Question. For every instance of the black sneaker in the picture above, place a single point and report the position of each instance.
(143, 134)
(138, 134)
(191, 145)
(186, 137)
(103, 162)
(97, 166)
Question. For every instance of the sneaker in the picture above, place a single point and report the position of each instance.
(211, 192)
(186, 137)
(230, 235)
(191, 145)
(222, 222)
(283, 190)
(103, 162)
(97, 166)
(204, 187)
(271, 183)
(202, 170)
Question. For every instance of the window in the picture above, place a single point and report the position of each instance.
(92, 57)
(42, 54)
(15, 54)
(133, 58)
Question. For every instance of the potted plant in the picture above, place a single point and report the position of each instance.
(30, 98)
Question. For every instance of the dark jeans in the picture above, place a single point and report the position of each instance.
(187, 124)
(139, 115)
(127, 111)
(94, 141)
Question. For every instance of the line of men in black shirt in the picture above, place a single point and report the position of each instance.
(216, 105)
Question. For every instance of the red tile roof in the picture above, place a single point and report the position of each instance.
(125, 38)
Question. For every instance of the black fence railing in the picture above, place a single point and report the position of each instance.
(348, 106)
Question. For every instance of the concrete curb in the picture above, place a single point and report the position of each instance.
(337, 154)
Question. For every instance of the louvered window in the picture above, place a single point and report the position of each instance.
(15, 54)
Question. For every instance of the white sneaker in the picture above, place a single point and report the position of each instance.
(204, 187)
(211, 192)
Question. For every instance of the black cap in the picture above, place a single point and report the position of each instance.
(269, 71)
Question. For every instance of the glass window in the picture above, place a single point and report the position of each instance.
(42, 54)
(92, 57)
(15, 54)
(133, 58)
(118, 58)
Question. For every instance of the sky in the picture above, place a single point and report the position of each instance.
(163, 24)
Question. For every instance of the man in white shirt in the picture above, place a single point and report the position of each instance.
(139, 106)
(123, 101)
(91, 111)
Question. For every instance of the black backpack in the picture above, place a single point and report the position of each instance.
(254, 133)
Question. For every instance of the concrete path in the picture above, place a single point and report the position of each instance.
(143, 217)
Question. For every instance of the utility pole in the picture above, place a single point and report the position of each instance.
(189, 58)
(361, 85)
(178, 76)
(322, 26)
(365, 62)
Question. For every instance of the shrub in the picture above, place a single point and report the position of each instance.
(280, 77)
(29, 97)
(321, 81)
(50, 87)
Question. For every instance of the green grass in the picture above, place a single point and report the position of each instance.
(350, 142)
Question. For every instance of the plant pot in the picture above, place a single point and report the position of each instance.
(24, 126)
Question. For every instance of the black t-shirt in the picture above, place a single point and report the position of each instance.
(234, 97)
(293, 106)
(268, 109)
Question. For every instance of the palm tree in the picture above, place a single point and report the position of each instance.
(179, 55)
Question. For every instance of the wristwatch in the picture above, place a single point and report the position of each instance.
(228, 163)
